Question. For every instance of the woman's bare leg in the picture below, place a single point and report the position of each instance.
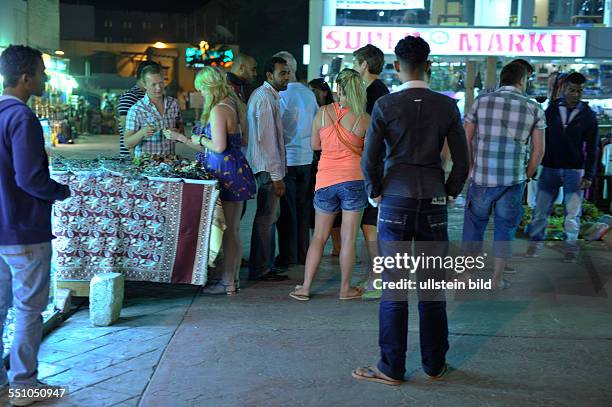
(348, 234)
(323, 226)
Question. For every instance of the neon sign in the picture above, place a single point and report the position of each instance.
(460, 41)
(204, 55)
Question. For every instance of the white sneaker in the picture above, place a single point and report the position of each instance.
(25, 396)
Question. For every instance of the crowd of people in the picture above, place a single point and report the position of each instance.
(374, 158)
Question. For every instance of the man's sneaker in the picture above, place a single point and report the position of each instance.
(25, 396)
(442, 373)
(532, 251)
(508, 269)
(570, 257)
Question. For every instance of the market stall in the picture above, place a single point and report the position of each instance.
(149, 228)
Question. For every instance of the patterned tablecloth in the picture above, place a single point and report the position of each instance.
(146, 229)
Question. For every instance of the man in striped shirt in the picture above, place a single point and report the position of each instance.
(266, 155)
(127, 100)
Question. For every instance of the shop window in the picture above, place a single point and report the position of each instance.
(575, 12)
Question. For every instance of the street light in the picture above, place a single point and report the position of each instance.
(159, 44)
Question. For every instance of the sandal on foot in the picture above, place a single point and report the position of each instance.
(219, 289)
(299, 297)
(372, 374)
(358, 292)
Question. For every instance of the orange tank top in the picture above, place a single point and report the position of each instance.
(341, 152)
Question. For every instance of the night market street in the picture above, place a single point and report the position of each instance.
(174, 346)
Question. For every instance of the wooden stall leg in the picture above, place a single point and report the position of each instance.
(78, 288)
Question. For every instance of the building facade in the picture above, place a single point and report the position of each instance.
(470, 40)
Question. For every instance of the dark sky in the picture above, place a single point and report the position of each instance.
(269, 26)
(178, 6)
(265, 26)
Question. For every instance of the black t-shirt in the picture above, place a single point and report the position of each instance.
(376, 89)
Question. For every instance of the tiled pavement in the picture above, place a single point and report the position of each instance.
(104, 366)
(176, 347)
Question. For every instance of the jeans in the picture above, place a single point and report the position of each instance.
(506, 204)
(24, 284)
(403, 220)
(551, 179)
(294, 217)
(262, 237)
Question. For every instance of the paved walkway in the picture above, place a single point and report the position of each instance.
(531, 345)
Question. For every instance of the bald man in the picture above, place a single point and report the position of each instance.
(242, 75)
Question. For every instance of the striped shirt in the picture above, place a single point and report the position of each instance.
(144, 113)
(504, 120)
(127, 100)
(266, 149)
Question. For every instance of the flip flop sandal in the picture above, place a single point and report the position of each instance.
(372, 374)
(299, 297)
(354, 296)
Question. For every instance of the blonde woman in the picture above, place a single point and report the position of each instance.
(219, 137)
(338, 131)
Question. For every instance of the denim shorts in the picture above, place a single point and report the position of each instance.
(346, 196)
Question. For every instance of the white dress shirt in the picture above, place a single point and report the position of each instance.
(299, 107)
(266, 149)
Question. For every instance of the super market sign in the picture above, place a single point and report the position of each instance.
(460, 41)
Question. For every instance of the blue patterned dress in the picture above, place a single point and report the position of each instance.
(230, 167)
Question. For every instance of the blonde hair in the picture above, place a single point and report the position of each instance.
(213, 82)
(354, 90)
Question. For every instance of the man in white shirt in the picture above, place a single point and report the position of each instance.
(299, 107)
(267, 157)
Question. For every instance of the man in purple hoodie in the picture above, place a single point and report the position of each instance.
(26, 196)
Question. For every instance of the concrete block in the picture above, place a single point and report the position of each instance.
(105, 298)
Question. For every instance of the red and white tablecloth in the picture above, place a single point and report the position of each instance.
(148, 230)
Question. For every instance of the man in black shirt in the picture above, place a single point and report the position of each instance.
(402, 167)
(242, 76)
(369, 61)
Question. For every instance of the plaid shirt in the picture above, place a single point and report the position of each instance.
(504, 121)
(144, 113)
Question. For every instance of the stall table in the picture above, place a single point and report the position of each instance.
(147, 229)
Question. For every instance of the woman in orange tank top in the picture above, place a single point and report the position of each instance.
(338, 131)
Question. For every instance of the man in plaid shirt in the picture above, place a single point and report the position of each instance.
(505, 132)
(147, 119)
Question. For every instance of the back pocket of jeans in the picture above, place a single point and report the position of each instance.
(391, 218)
(437, 222)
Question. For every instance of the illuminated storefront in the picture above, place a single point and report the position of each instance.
(461, 53)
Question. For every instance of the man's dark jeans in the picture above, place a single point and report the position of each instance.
(294, 220)
(262, 237)
(403, 220)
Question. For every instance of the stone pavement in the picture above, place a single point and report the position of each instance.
(174, 346)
